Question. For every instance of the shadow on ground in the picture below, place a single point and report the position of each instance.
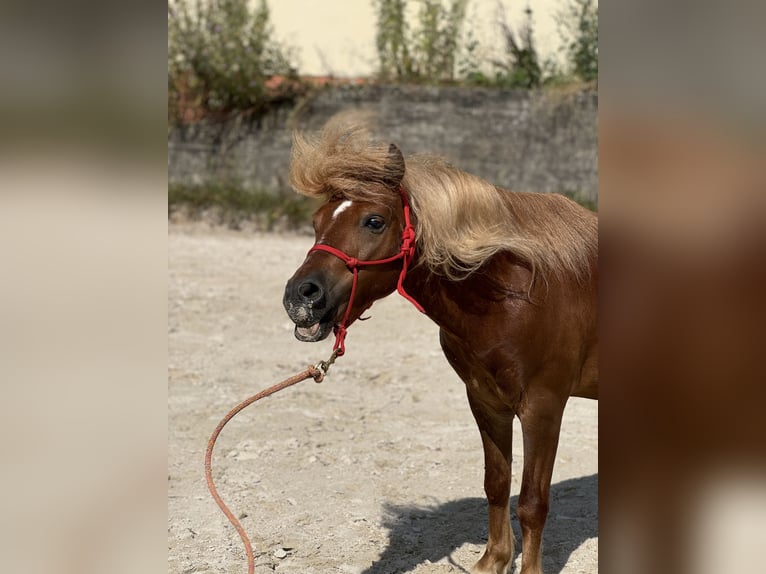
(418, 533)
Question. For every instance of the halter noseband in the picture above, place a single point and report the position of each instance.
(406, 253)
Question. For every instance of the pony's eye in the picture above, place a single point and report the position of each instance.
(375, 223)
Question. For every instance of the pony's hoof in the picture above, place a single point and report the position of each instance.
(482, 568)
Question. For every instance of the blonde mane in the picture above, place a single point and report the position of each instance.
(462, 220)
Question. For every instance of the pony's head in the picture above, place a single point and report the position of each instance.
(362, 219)
(462, 222)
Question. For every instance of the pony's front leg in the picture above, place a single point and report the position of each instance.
(496, 437)
(540, 425)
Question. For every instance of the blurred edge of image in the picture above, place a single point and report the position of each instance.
(83, 299)
(682, 239)
(682, 236)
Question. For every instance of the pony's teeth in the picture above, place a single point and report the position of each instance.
(309, 331)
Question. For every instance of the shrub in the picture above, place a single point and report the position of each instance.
(221, 54)
(521, 69)
(425, 53)
(578, 25)
(229, 203)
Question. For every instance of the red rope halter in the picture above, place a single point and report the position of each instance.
(406, 253)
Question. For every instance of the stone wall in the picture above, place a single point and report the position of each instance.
(531, 141)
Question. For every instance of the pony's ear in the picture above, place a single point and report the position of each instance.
(394, 169)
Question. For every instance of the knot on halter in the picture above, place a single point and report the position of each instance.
(352, 263)
(339, 348)
(408, 241)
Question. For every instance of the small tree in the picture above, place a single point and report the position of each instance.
(470, 61)
(221, 54)
(427, 53)
(522, 67)
(438, 39)
(578, 26)
(392, 39)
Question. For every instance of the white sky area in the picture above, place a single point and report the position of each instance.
(338, 36)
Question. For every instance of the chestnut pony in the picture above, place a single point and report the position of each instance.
(510, 278)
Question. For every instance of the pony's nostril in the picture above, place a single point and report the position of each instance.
(309, 291)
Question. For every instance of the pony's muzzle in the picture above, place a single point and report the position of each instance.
(305, 301)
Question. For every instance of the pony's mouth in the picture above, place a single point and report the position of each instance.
(316, 332)
(310, 326)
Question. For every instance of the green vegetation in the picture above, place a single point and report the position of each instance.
(223, 58)
(439, 46)
(221, 53)
(426, 52)
(522, 67)
(423, 50)
(578, 23)
(232, 205)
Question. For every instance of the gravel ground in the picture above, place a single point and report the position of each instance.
(378, 470)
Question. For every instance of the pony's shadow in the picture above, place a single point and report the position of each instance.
(417, 533)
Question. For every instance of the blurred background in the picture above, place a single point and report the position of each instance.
(101, 103)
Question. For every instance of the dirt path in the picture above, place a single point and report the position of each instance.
(378, 470)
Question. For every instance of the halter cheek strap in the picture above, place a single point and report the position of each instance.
(406, 253)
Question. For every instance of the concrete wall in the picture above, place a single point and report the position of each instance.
(532, 141)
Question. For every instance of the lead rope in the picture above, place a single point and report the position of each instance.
(313, 371)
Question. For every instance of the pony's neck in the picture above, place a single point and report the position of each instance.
(446, 301)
